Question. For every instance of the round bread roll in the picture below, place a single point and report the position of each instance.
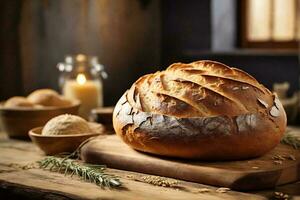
(201, 110)
(48, 97)
(18, 102)
(62, 102)
(66, 125)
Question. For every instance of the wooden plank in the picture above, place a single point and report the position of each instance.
(45, 182)
(37, 183)
(251, 174)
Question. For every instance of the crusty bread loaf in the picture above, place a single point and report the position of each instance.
(201, 110)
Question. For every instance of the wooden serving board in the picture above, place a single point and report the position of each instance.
(259, 173)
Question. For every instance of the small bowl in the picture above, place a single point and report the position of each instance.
(56, 144)
(103, 115)
(17, 122)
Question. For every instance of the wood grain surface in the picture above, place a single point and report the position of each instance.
(37, 183)
(259, 173)
(16, 183)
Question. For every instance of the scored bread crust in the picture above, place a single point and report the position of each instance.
(204, 110)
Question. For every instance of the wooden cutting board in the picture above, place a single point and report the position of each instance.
(259, 173)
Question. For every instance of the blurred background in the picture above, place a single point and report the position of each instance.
(135, 37)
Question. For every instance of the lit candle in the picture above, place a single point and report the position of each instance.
(89, 93)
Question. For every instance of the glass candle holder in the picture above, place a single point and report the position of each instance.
(81, 78)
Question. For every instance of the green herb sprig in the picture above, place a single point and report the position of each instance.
(292, 140)
(90, 173)
(69, 164)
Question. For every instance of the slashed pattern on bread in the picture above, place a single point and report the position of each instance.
(203, 88)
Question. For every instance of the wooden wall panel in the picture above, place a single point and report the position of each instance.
(10, 76)
(124, 34)
(128, 36)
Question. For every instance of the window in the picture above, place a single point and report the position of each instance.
(270, 23)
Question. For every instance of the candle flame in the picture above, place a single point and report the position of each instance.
(80, 79)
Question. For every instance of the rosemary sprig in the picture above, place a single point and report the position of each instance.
(291, 140)
(87, 172)
(92, 173)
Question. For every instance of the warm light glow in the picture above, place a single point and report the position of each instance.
(80, 57)
(272, 20)
(80, 79)
(284, 20)
(259, 20)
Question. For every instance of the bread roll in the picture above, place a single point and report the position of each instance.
(201, 110)
(18, 102)
(66, 125)
(48, 97)
(71, 125)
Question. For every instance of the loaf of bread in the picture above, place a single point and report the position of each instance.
(201, 110)
(48, 97)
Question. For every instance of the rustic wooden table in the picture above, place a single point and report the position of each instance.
(18, 183)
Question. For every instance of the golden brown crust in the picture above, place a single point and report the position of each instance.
(200, 110)
(18, 102)
(48, 97)
(202, 88)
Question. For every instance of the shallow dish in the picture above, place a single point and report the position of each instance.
(56, 144)
(17, 122)
(104, 116)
